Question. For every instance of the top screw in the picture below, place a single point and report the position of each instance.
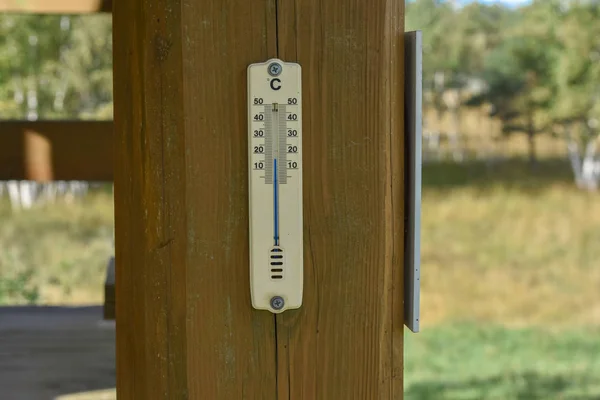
(275, 69)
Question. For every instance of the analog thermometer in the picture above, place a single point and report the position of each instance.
(275, 185)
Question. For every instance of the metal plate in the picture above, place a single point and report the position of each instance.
(413, 100)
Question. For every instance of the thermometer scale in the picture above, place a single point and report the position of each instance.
(275, 185)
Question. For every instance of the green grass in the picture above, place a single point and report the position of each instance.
(470, 361)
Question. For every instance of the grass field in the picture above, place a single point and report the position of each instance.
(56, 254)
(509, 245)
(483, 361)
(511, 278)
(511, 286)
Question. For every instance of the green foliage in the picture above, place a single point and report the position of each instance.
(540, 62)
(433, 17)
(55, 66)
(577, 72)
(19, 288)
(520, 88)
(456, 43)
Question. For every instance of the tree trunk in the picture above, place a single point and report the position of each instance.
(589, 169)
(585, 166)
(531, 141)
(574, 156)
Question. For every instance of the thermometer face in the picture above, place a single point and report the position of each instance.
(275, 185)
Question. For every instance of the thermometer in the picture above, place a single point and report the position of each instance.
(275, 185)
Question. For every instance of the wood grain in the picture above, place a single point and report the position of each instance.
(185, 325)
(56, 150)
(346, 341)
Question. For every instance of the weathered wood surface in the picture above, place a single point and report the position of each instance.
(46, 352)
(55, 6)
(56, 150)
(346, 341)
(185, 325)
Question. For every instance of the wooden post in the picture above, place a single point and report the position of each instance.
(185, 325)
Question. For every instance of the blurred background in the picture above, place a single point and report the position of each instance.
(511, 214)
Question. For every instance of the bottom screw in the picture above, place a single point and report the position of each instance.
(277, 302)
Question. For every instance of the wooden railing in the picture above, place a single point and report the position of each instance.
(56, 150)
(55, 6)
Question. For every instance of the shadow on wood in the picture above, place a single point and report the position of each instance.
(109, 291)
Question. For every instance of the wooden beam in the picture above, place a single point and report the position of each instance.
(185, 325)
(56, 150)
(55, 6)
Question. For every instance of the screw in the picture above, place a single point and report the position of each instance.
(277, 303)
(275, 69)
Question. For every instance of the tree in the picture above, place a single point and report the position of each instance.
(434, 18)
(519, 75)
(55, 66)
(456, 42)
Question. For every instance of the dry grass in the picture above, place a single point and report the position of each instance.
(56, 254)
(510, 253)
(481, 134)
(505, 245)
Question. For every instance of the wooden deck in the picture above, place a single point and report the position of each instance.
(50, 352)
